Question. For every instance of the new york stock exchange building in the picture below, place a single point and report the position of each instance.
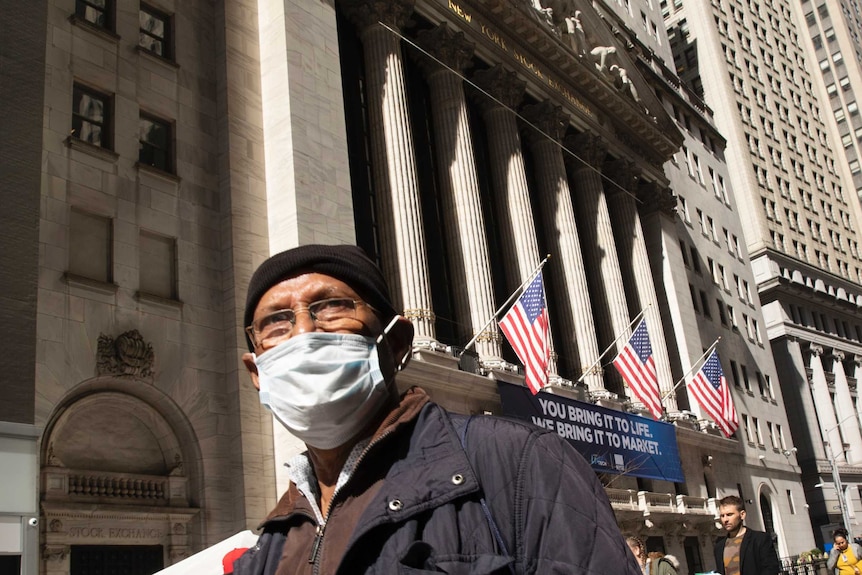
(458, 143)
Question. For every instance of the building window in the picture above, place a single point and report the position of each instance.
(158, 265)
(91, 243)
(704, 304)
(755, 423)
(155, 33)
(749, 436)
(790, 502)
(91, 114)
(96, 12)
(156, 143)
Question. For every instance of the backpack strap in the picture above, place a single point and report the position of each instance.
(462, 435)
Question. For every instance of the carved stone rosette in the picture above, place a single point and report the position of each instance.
(129, 355)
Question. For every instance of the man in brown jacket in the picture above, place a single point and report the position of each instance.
(395, 484)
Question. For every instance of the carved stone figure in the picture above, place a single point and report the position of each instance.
(127, 355)
(627, 84)
(545, 13)
(577, 36)
(602, 54)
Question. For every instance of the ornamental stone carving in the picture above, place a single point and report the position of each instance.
(126, 356)
(501, 84)
(450, 48)
(588, 150)
(368, 13)
(655, 197)
(55, 552)
(547, 117)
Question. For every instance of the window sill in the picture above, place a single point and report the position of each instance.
(158, 300)
(156, 58)
(158, 172)
(90, 283)
(91, 149)
(97, 30)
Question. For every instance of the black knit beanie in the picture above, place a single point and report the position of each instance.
(344, 262)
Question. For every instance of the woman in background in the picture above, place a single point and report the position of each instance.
(845, 558)
(653, 563)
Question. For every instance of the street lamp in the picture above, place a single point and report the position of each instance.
(836, 477)
(839, 491)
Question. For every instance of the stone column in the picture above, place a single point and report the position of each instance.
(459, 186)
(568, 275)
(518, 233)
(857, 374)
(823, 402)
(402, 238)
(599, 249)
(844, 410)
(634, 260)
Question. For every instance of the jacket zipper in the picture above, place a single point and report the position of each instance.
(317, 544)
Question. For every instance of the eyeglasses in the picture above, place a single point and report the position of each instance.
(328, 314)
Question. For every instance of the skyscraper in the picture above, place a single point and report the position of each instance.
(753, 65)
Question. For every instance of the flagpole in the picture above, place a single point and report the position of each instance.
(613, 343)
(516, 293)
(697, 362)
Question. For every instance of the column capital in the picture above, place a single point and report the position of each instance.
(838, 355)
(857, 359)
(815, 349)
(590, 148)
(502, 85)
(624, 173)
(418, 313)
(367, 13)
(655, 197)
(550, 119)
(448, 46)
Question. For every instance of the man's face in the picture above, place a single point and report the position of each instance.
(731, 518)
(297, 293)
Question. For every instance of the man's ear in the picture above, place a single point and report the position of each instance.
(397, 344)
(248, 360)
(401, 340)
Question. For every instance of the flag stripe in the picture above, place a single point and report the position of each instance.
(526, 328)
(711, 390)
(637, 366)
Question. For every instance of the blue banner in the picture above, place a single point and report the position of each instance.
(611, 441)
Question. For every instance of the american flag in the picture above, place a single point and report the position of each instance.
(709, 387)
(526, 328)
(637, 366)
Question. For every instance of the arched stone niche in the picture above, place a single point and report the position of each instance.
(120, 466)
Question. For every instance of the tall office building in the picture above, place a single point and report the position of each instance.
(182, 142)
(751, 63)
(834, 38)
(715, 300)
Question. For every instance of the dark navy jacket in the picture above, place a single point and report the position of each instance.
(552, 512)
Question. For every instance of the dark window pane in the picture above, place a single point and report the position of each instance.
(155, 143)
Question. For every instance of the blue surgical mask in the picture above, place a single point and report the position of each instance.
(323, 387)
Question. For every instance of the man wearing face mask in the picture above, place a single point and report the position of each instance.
(393, 483)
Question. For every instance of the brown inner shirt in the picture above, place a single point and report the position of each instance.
(731, 555)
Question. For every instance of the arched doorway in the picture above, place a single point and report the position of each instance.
(120, 484)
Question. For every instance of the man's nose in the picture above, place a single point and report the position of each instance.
(304, 323)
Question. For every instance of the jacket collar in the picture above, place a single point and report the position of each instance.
(403, 413)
